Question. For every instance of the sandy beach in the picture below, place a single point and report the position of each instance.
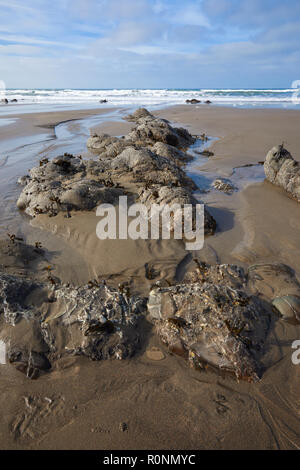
(154, 400)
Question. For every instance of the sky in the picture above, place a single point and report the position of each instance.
(149, 43)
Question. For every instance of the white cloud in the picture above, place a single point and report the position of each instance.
(20, 50)
(32, 40)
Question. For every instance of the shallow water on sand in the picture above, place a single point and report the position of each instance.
(241, 176)
(18, 156)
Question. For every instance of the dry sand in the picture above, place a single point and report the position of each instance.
(166, 405)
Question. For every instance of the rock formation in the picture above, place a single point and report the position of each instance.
(281, 169)
(216, 318)
(94, 320)
(223, 184)
(150, 159)
(66, 183)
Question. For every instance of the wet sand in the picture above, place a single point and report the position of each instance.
(164, 404)
(35, 123)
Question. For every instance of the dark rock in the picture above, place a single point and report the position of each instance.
(207, 153)
(193, 101)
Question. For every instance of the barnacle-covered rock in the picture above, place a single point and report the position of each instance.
(138, 114)
(14, 291)
(147, 166)
(281, 169)
(151, 130)
(95, 320)
(101, 141)
(223, 184)
(172, 153)
(106, 146)
(145, 163)
(63, 184)
(212, 320)
(171, 196)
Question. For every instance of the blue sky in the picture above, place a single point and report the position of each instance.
(149, 43)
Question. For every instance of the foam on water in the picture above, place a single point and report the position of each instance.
(147, 97)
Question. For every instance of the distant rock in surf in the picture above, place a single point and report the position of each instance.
(193, 101)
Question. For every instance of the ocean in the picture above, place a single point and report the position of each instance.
(275, 98)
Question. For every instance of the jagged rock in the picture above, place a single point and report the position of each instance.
(94, 320)
(281, 169)
(172, 153)
(223, 184)
(138, 114)
(66, 183)
(152, 168)
(150, 130)
(106, 146)
(23, 180)
(109, 147)
(101, 141)
(212, 320)
(99, 322)
(103, 101)
(166, 195)
(13, 293)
